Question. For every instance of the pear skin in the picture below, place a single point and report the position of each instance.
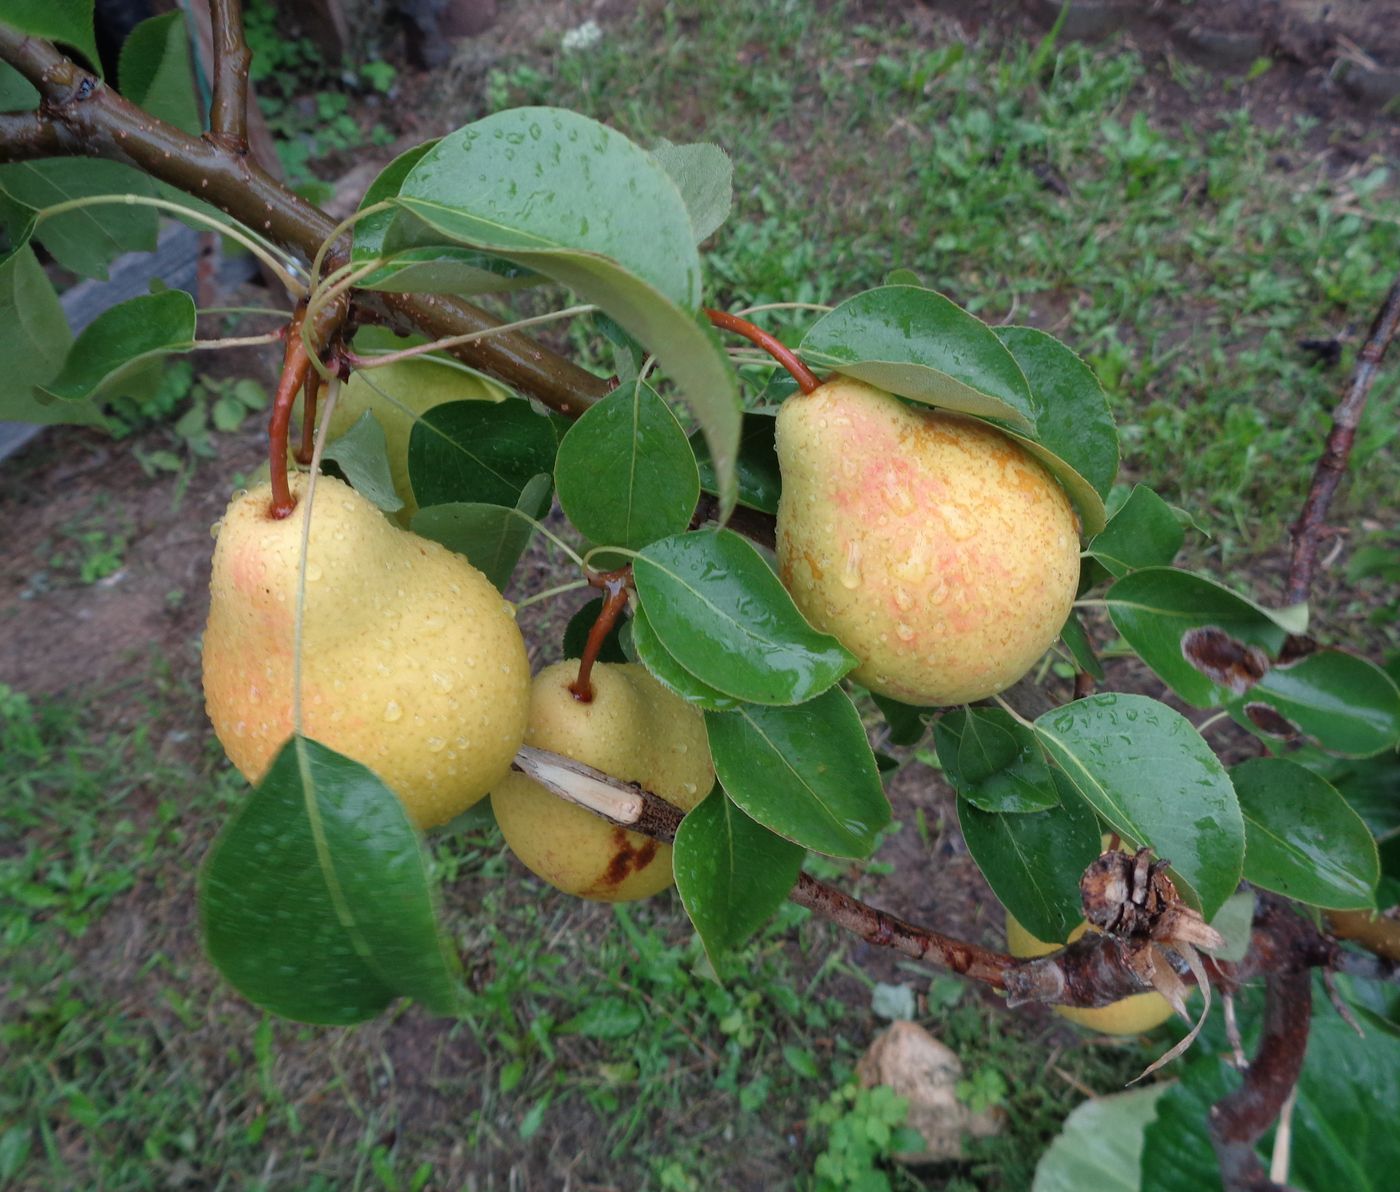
(936, 549)
(404, 390)
(634, 730)
(412, 663)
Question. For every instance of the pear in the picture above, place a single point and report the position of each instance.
(395, 394)
(634, 730)
(412, 663)
(936, 549)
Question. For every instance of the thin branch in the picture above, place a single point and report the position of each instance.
(88, 119)
(1308, 530)
(228, 112)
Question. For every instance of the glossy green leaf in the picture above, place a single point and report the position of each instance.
(922, 346)
(732, 874)
(68, 22)
(1143, 533)
(1073, 419)
(760, 483)
(34, 340)
(88, 239)
(478, 452)
(1301, 838)
(17, 222)
(1076, 640)
(17, 94)
(372, 229)
(1177, 1154)
(907, 724)
(581, 624)
(1100, 1145)
(994, 762)
(805, 772)
(1371, 786)
(1235, 921)
(1150, 776)
(493, 537)
(704, 175)
(316, 900)
(1033, 862)
(1344, 703)
(154, 72)
(625, 472)
(670, 673)
(559, 193)
(1156, 608)
(719, 610)
(123, 337)
(362, 454)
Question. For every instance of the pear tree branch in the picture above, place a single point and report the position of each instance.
(228, 112)
(80, 116)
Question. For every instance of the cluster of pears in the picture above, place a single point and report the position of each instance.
(412, 664)
(932, 546)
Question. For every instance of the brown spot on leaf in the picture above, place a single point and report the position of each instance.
(1270, 720)
(1296, 648)
(1223, 659)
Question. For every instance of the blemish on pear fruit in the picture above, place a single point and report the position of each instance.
(934, 547)
(356, 624)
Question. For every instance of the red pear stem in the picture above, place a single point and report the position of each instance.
(295, 365)
(310, 392)
(614, 585)
(806, 379)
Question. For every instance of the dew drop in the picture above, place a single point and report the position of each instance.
(904, 632)
(850, 572)
(441, 681)
(313, 572)
(392, 711)
(435, 744)
(240, 729)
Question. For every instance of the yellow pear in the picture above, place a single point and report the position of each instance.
(395, 394)
(1130, 1016)
(936, 549)
(412, 663)
(634, 730)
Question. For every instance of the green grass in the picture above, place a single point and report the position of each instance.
(1034, 184)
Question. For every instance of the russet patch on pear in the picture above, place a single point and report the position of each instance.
(412, 663)
(935, 548)
(634, 730)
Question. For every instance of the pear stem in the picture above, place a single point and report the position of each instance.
(805, 378)
(614, 585)
(310, 391)
(295, 365)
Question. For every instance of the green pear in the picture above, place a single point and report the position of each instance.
(634, 730)
(936, 549)
(411, 662)
(396, 394)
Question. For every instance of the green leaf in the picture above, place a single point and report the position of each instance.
(17, 222)
(492, 537)
(1301, 838)
(362, 453)
(557, 192)
(480, 452)
(1033, 862)
(316, 900)
(1143, 533)
(1177, 1155)
(1147, 772)
(1081, 649)
(17, 94)
(1100, 1144)
(371, 231)
(581, 624)
(719, 610)
(670, 673)
(1346, 704)
(625, 472)
(154, 72)
(731, 873)
(606, 1018)
(1073, 419)
(704, 175)
(806, 772)
(1367, 784)
(994, 762)
(123, 337)
(66, 21)
(760, 483)
(922, 346)
(907, 723)
(34, 339)
(88, 239)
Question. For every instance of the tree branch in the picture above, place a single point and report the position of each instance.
(1308, 529)
(88, 119)
(228, 113)
(27, 135)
